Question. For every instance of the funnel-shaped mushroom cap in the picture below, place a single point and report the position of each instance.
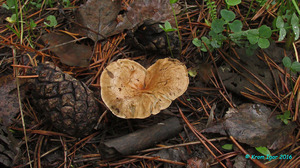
(131, 91)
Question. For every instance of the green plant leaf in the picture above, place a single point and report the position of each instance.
(295, 25)
(285, 121)
(282, 34)
(52, 20)
(287, 114)
(32, 24)
(296, 31)
(10, 4)
(192, 73)
(12, 19)
(265, 31)
(294, 19)
(173, 1)
(287, 62)
(207, 22)
(252, 36)
(212, 34)
(168, 27)
(215, 43)
(232, 2)
(227, 146)
(227, 15)
(207, 42)
(263, 43)
(197, 42)
(236, 26)
(217, 25)
(263, 150)
(5, 6)
(295, 67)
(162, 27)
(285, 117)
(279, 22)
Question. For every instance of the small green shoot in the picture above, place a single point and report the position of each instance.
(285, 117)
(228, 146)
(52, 20)
(32, 24)
(167, 27)
(263, 150)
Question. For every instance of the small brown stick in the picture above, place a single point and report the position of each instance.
(140, 139)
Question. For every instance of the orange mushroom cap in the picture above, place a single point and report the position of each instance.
(131, 91)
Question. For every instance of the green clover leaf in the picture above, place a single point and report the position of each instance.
(217, 25)
(264, 31)
(227, 15)
(236, 26)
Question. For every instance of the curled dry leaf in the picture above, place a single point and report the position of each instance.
(71, 54)
(252, 124)
(131, 91)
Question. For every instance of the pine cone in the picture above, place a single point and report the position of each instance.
(67, 102)
(9, 148)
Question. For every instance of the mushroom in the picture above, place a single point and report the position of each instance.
(131, 91)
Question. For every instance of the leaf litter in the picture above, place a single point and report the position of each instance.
(253, 124)
(9, 102)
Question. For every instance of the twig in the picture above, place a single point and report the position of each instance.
(20, 106)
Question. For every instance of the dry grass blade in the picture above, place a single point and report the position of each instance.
(21, 109)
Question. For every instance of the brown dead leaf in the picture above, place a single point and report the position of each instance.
(9, 103)
(250, 124)
(102, 18)
(71, 54)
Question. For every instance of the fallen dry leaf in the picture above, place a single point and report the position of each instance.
(250, 124)
(102, 18)
(71, 54)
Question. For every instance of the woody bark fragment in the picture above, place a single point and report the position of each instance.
(140, 139)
